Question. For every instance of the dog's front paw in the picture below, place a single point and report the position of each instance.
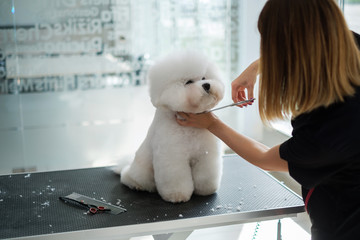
(206, 190)
(176, 197)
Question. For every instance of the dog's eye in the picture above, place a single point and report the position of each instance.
(203, 78)
(189, 82)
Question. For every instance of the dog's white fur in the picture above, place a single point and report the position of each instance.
(178, 161)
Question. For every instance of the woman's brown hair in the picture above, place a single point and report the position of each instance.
(308, 57)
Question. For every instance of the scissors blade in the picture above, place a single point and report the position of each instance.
(231, 105)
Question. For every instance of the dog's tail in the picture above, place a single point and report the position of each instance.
(122, 162)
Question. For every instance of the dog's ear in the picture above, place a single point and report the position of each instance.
(154, 88)
(155, 100)
(155, 92)
(170, 97)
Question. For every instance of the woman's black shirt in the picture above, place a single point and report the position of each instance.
(324, 157)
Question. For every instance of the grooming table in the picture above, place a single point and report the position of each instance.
(30, 205)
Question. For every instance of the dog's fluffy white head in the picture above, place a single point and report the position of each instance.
(185, 82)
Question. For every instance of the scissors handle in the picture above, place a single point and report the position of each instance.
(91, 208)
(97, 208)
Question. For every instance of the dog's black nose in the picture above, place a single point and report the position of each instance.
(206, 87)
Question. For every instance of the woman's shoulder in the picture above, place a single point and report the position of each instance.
(334, 121)
(350, 106)
(357, 38)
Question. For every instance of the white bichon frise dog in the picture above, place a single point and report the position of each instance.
(178, 161)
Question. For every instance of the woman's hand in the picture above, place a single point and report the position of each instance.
(200, 120)
(246, 80)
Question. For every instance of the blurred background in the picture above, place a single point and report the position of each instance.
(73, 89)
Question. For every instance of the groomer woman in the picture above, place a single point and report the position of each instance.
(309, 69)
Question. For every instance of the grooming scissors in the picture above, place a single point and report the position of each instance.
(231, 105)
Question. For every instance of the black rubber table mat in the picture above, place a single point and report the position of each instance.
(30, 203)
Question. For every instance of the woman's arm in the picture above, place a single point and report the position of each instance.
(246, 80)
(254, 152)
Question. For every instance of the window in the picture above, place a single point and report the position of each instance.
(351, 10)
(73, 72)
